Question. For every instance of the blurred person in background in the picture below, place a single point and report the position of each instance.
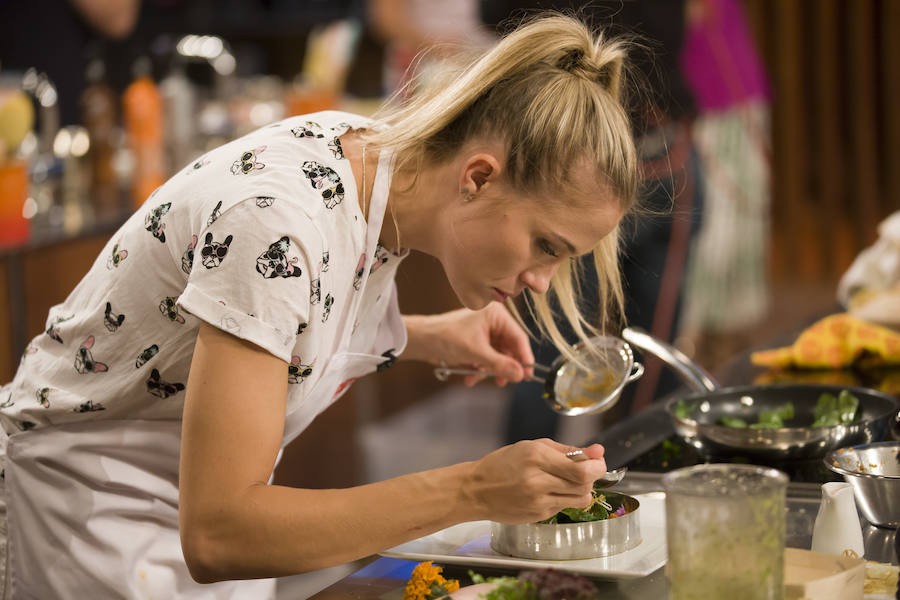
(425, 30)
(52, 36)
(656, 246)
(727, 286)
(252, 288)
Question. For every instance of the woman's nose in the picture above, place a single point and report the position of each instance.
(537, 279)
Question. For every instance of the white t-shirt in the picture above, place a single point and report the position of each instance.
(263, 238)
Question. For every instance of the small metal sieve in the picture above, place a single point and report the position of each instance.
(591, 384)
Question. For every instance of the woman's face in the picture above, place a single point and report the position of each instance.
(501, 242)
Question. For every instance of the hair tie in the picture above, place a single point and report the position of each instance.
(571, 59)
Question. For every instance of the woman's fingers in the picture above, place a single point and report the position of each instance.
(532, 480)
(577, 472)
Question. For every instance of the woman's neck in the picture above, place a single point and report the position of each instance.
(412, 206)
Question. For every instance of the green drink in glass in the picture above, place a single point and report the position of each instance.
(725, 532)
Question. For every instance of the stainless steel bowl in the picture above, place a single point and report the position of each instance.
(570, 541)
(874, 472)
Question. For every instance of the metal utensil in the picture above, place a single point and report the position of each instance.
(443, 372)
(592, 384)
(696, 415)
(873, 470)
(570, 541)
(609, 479)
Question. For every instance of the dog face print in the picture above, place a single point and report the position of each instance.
(43, 397)
(116, 257)
(248, 162)
(297, 371)
(153, 221)
(89, 406)
(309, 129)
(315, 291)
(388, 363)
(326, 180)
(53, 330)
(326, 307)
(169, 309)
(84, 361)
(360, 271)
(265, 201)
(29, 350)
(325, 258)
(111, 320)
(274, 261)
(160, 388)
(381, 257)
(216, 213)
(198, 165)
(302, 327)
(187, 259)
(146, 355)
(335, 147)
(213, 253)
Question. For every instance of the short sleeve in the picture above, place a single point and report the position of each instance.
(250, 273)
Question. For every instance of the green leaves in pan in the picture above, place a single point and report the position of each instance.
(830, 410)
(840, 410)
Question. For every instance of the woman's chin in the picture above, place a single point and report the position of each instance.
(475, 302)
(471, 299)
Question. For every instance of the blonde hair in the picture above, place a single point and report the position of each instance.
(553, 91)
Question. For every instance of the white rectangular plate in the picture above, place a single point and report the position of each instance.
(470, 544)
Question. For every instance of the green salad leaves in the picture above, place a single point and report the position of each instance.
(830, 410)
(602, 506)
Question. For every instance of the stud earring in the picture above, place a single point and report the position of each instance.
(467, 195)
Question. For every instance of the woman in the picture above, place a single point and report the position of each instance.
(256, 284)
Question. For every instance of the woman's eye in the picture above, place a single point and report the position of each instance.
(546, 248)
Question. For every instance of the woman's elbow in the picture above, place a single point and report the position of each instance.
(202, 554)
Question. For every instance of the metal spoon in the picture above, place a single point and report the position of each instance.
(444, 372)
(569, 386)
(609, 479)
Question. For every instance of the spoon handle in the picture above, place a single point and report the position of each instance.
(610, 477)
(443, 372)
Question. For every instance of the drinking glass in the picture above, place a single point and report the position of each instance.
(725, 529)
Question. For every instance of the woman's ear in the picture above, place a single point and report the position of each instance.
(478, 171)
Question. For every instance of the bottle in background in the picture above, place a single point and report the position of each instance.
(16, 121)
(179, 107)
(99, 116)
(142, 106)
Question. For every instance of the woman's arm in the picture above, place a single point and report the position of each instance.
(235, 526)
(488, 339)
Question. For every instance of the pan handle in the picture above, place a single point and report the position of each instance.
(695, 376)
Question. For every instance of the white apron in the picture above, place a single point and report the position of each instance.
(92, 507)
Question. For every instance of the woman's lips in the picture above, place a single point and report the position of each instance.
(499, 296)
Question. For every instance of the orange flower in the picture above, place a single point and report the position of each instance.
(427, 583)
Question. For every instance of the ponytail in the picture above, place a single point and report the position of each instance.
(554, 92)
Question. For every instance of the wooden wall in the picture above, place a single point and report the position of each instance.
(835, 69)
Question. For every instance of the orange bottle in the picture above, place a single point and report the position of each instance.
(14, 227)
(142, 110)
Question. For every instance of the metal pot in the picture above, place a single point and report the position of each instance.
(570, 541)
(696, 416)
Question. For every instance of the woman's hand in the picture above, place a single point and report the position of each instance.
(532, 480)
(489, 339)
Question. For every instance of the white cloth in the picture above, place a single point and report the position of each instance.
(870, 288)
(263, 238)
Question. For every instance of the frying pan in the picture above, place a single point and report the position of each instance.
(696, 416)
